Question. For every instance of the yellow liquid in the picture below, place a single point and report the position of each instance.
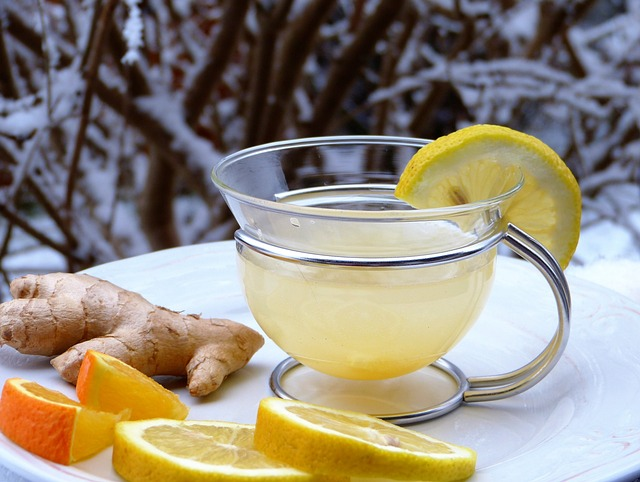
(366, 323)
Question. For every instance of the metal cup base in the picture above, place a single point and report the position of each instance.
(288, 365)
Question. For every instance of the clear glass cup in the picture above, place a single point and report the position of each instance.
(356, 284)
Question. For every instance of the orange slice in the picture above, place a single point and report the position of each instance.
(49, 424)
(108, 384)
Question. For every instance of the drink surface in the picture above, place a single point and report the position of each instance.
(366, 323)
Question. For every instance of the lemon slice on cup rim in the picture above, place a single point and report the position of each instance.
(477, 163)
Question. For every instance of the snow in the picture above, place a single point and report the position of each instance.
(35, 259)
(22, 122)
(521, 24)
(606, 240)
(168, 109)
(32, 257)
(183, 7)
(615, 274)
(133, 28)
(593, 116)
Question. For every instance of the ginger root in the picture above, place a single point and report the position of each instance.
(64, 315)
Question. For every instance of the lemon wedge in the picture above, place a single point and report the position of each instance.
(183, 450)
(480, 162)
(323, 440)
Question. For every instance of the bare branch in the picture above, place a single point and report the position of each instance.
(390, 61)
(296, 46)
(422, 123)
(218, 57)
(7, 84)
(348, 65)
(46, 57)
(52, 211)
(158, 135)
(156, 204)
(17, 28)
(93, 61)
(271, 23)
(20, 222)
(138, 83)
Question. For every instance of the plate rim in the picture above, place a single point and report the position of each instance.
(29, 465)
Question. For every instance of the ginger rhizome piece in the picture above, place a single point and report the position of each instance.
(64, 315)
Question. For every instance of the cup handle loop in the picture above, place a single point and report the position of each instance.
(485, 388)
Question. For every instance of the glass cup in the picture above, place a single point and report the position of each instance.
(356, 284)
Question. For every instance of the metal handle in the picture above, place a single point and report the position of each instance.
(472, 389)
(512, 383)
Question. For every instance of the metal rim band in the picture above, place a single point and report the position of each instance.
(246, 241)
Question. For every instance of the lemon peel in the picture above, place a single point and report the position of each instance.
(206, 451)
(339, 442)
(479, 162)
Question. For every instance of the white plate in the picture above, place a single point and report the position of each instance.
(581, 423)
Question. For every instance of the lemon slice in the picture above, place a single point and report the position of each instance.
(179, 450)
(324, 440)
(477, 163)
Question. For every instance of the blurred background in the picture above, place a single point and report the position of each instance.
(112, 113)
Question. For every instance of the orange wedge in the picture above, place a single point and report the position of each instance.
(108, 384)
(49, 424)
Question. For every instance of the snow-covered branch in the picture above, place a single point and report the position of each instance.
(113, 113)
